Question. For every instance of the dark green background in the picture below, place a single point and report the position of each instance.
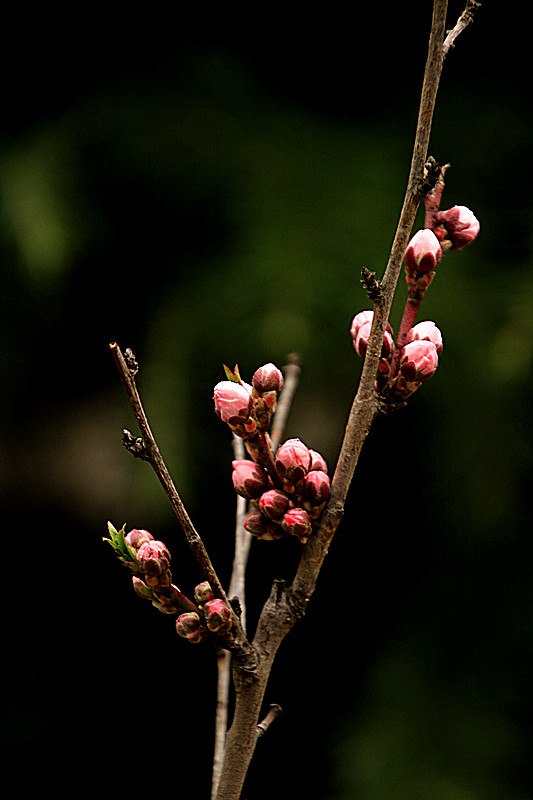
(205, 188)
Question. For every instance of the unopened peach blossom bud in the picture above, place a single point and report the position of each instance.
(418, 360)
(256, 523)
(293, 460)
(273, 503)
(296, 522)
(218, 616)
(267, 378)
(428, 331)
(153, 558)
(233, 401)
(317, 461)
(316, 487)
(423, 252)
(249, 479)
(261, 527)
(360, 342)
(188, 626)
(460, 224)
(136, 538)
(203, 593)
(361, 318)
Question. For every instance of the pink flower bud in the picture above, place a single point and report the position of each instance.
(218, 615)
(274, 503)
(233, 401)
(360, 342)
(267, 378)
(318, 462)
(418, 360)
(296, 522)
(293, 460)
(153, 558)
(460, 224)
(136, 538)
(362, 318)
(249, 479)
(203, 593)
(428, 331)
(256, 523)
(423, 252)
(262, 528)
(316, 487)
(189, 626)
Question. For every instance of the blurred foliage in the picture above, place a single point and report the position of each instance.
(211, 210)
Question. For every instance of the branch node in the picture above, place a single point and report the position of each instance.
(433, 171)
(371, 285)
(135, 445)
(235, 603)
(131, 362)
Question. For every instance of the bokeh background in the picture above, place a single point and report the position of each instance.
(204, 187)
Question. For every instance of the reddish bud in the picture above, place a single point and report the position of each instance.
(233, 401)
(262, 528)
(427, 331)
(293, 460)
(360, 342)
(153, 558)
(316, 487)
(418, 360)
(136, 538)
(363, 318)
(296, 522)
(203, 593)
(189, 626)
(218, 616)
(267, 378)
(318, 462)
(423, 252)
(460, 226)
(249, 479)
(274, 503)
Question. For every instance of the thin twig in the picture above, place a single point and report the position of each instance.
(242, 548)
(464, 20)
(153, 455)
(291, 377)
(236, 588)
(221, 716)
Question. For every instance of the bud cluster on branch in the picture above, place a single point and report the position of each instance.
(405, 364)
(287, 489)
(149, 560)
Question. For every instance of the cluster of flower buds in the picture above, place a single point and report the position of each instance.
(149, 560)
(293, 504)
(418, 357)
(406, 364)
(248, 408)
(212, 614)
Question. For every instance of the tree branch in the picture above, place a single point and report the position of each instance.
(128, 369)
(287, 604)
